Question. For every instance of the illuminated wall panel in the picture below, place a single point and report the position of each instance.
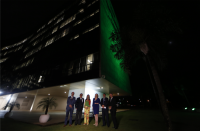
(110, 67)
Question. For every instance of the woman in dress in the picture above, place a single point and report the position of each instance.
(87, 109)
(95, 106)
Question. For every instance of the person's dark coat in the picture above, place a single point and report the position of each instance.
(79, 104)
(105, 103)
(113, 104)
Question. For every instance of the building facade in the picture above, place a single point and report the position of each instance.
(69, 53)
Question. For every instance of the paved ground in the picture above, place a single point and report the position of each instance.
(131, 120)
(33, 117)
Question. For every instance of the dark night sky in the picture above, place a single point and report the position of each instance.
(19, 18)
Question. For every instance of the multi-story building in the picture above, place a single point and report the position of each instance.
(69, 53)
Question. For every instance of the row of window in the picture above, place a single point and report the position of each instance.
(3, 60)
(65, 32)
(55, 38)
(88, 30)
(55, 29)
(80, 21)
(18, 48)
(61, 18)
(92, 3)
(19, 43)
(27, 63)
(82, 64)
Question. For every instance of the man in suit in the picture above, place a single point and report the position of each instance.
(79, 107)
(69, 109)
(104, 105)
(112, 107)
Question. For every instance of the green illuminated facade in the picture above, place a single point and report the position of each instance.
(109, 66)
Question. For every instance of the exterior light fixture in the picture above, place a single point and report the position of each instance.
(147, 100)
(65, 92)
(185, 108)
(48, 94)
(25, 96)
(127, 101)
(193, 109)
(0, 92)
(101, 87)
(117, 93)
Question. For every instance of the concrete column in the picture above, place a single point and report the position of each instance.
(34, 101)
(12, 99)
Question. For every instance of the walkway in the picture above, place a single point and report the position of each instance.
(33, 117)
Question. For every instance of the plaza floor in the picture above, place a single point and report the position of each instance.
(129, 120)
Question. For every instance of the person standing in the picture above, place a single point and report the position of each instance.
(87, 110)
(79, 107)
(112, 107)
(95, 106)
(69, 109)
(104, 105)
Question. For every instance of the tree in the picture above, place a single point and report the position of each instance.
(145, 34)
(47, 103)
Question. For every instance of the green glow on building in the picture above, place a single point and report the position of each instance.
(193, 109)
(110, 66)
(185, 108)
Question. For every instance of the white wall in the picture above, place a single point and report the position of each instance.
(22, 101)
(61, 101)
(3, 101)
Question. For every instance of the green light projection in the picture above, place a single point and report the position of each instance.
(110, 66)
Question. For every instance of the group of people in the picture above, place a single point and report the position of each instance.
(80, 103)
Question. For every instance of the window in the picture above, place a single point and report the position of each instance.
(26, 49)
(49, 41)
(50, 21)
(82, 2)
(92, 3)
(35, 42)
(65, 32)
(19, 43)
(81, 10)
(20, 47)
(41, 28)
(33, 51)
(3, 60)
(24, 64)
(76, 36)
(5, 53)
(40, 78)
(68, 21)
(78, 22)
(61, 18)
(92, 28)
(55, 29)
(89, 61)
